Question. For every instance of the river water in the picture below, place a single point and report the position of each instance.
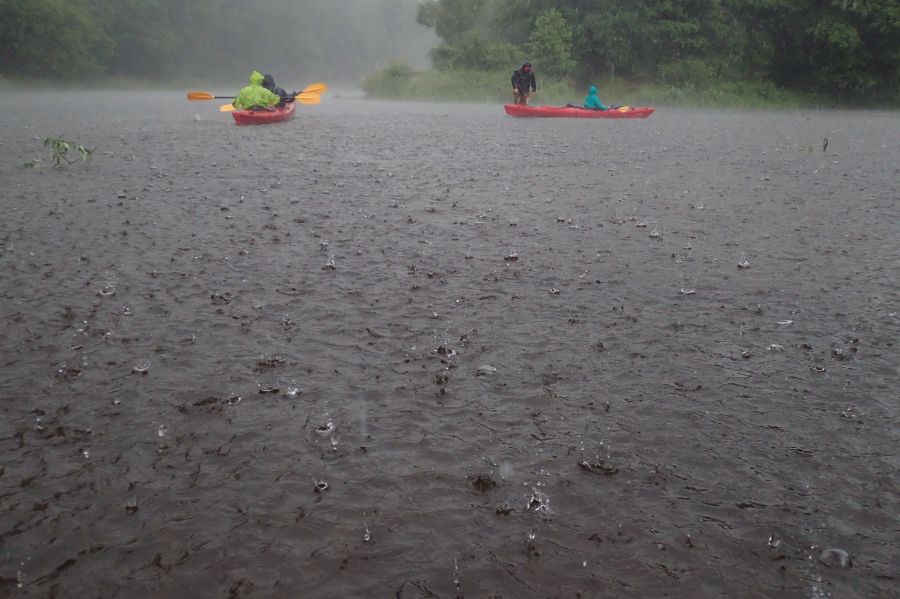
(412, 350)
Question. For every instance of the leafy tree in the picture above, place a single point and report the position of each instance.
(145, 38)
(154, 39)
(473, 51)
(849, 47)
(551, 43)
(51, 38)
(450, 19)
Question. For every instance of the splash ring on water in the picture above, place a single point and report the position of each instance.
(326, 429)
(142, 368)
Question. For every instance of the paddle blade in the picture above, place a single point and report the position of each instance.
(226, 108)
(309, 98)
(319, 88)
(199, 96)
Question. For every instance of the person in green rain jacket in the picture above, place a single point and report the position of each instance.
(255, 95)
(592, 100)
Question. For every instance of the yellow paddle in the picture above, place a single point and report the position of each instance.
(318, 88)
(303, 98)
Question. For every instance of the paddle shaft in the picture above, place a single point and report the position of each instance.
(314, 88)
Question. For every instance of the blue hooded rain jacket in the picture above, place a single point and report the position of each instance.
(592, 100)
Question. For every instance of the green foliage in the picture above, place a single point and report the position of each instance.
(450, 18)
(469, 85)
(59, 38)
(551, 44)
(691, 71)
(59, 149)
(164, 39)
(390, 80)
(473, 51)
(849, 48)
(716, 93)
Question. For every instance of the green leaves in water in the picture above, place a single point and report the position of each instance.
(59, 150)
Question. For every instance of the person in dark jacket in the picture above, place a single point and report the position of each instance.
(522, 82)
(269, 83)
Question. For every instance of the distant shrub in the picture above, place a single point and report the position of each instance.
(464, 85)
(686, 72)
(735, 94)
(390, 80)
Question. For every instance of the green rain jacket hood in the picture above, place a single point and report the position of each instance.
(255, 94)
(592, 100)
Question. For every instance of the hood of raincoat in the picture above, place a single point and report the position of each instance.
(592, 100)
(256, 78)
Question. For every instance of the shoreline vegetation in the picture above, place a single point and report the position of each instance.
(398, 81)
(773, 53)
(760, 53)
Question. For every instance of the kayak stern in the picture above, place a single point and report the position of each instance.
(264, 117)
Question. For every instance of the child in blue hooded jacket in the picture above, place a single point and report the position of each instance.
(592, 100)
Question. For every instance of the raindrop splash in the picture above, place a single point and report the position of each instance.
(142, 367)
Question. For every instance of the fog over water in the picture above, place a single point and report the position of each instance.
(339, 40)
(204, 41)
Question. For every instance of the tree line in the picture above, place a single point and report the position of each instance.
(159, 39)
(841, 47)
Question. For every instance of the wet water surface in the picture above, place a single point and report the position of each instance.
(400, 350)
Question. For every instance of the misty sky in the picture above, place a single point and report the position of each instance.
(339, 40)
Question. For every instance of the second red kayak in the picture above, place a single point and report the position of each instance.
(640, 112)
(263, 117)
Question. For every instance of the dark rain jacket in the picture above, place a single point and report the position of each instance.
(522, 81)
(269, 83)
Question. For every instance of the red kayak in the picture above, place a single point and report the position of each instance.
(263, 117)
(625, 112)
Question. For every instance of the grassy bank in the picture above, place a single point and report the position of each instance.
(399, 82)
